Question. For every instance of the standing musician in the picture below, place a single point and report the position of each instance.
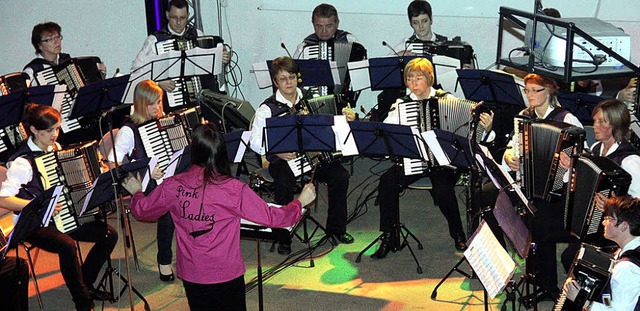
(621, 225)
(23, 184)
(419, 77)
(611, 121)
(206, 203)
(325, 25)
(178, 16)
(547, 224)
(147, 106)
(46, 39)
(285, 73)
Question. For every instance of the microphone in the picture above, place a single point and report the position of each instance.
(285, 49)
(393, 50)
(116, 108)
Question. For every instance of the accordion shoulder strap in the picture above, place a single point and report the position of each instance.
(632, 255)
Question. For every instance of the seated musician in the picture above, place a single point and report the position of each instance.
(23, 184)
(325, 25)
(418, 77)
(420, 19)
(46, 39)
(622, 226)
(209, 260)
(14, 284)
(548, 228)
(178, 28)
(147, 106)
(284, 72)
(611, 121)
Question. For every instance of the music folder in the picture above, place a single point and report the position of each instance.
(36, 214)
(99, 96)
(102, 189)
(377, 139)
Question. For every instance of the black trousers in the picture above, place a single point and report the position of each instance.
(14, 286)
(77, 277)
(333, 174)
(443, 181)
(221, 296)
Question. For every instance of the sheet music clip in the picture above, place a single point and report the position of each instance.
(299, 133)
(377, 139)
(490, 86)
(33, 216)
(102, 189)
(579, 104)
(99, 97)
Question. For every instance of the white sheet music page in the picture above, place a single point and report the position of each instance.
(432, 141)
(51, 206)
(263, 77)
(489, 260)
(359, 73)
(344, 141)
(504, 173)
(147, 174)
(246, 135)
(173, 164)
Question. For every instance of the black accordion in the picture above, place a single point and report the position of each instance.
(592, 270)
(541, 142)
(13, 82)
(163, 137)
(75, 73)
(446, 113)
(75, 167)
(456, 49)
(592, 175)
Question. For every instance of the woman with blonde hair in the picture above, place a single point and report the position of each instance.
(147, 106)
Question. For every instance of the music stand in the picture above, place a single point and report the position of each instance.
(579, 104)
(99, 96)
(376, 139)
(489, 86)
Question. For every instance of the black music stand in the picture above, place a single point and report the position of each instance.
(376, 139)
(107, 187)
(388, 72)
(99, 97)
(313, 72)
(579, 104)
(33, 216)
(300, 133)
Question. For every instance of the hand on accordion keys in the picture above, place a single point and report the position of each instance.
(571, 289)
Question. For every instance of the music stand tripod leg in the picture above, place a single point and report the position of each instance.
(434, 293)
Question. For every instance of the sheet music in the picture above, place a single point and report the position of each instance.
(489, 260)
(359, 73)
(173, 163)
(263, 77)
(344, 141)
(434, 146)
(446, 74)
(335, 74)
(504, 173)
(147, 175)
(140, 74)
(242, 148)
(51, 206)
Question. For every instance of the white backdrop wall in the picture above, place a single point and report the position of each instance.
(115, 29)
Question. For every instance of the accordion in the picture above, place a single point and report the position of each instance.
(76, 167)
(446, 113)
(540, 143)
(75, 73)
(162, 138)
(456, 49)
(592, 175)
(592, 270)
(13, 82)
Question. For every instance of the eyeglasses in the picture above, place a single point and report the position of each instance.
(283, 79)
(531, 91)
(52, 39)
(609, 218)
(416, 79)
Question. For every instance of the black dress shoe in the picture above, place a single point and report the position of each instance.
(385, 247)
(284, 248)
(461, 242)
(97, 294)
(344, 238)
(166, 277)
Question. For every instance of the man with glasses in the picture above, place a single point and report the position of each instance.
(178, 28)
(622, 226)
(46, 38)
